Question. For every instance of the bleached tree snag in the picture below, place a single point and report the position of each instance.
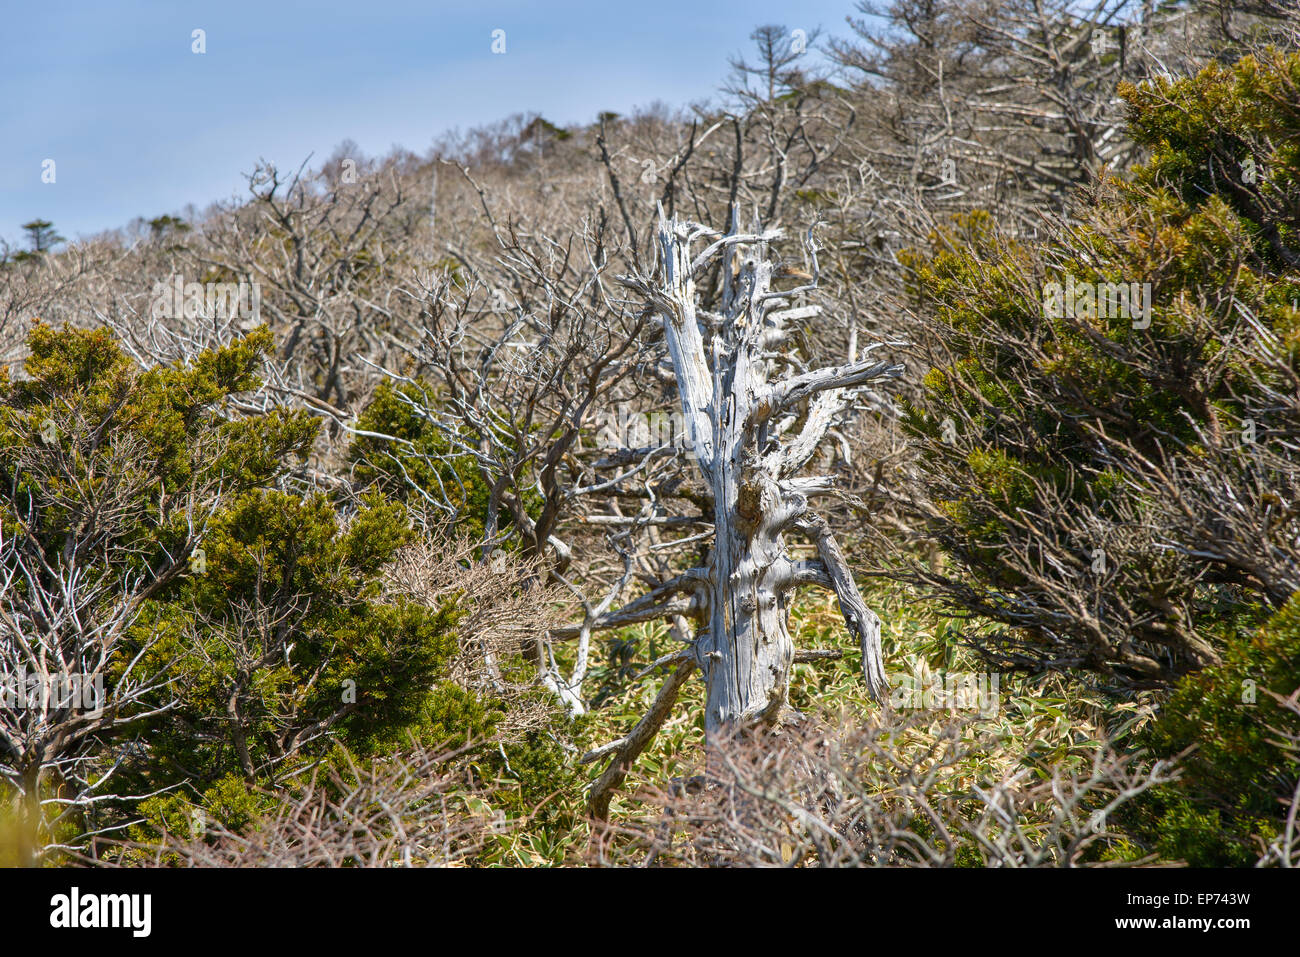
(752, 426)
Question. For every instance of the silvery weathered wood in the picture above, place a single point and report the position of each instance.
(751, 435)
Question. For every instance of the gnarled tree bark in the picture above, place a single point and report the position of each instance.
(751, 432)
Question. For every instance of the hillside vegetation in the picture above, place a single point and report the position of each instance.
(353, 523)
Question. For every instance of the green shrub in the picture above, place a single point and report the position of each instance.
(1239, 778)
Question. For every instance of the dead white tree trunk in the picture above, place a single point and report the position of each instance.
(751, 430)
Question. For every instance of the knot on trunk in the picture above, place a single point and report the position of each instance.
(757, 497)
(749, 502)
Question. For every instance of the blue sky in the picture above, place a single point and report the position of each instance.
(138, 124)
